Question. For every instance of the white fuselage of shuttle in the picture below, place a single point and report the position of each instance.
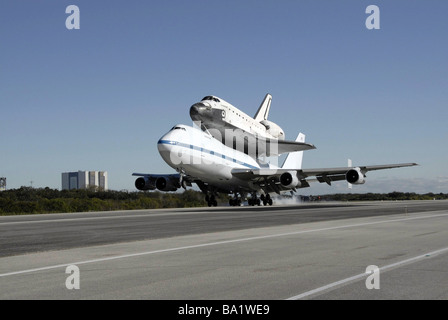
(215, 113)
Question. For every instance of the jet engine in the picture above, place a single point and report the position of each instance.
(144, 184)
(289, 179)
(166, 184)
(273, 129)
(355, 176)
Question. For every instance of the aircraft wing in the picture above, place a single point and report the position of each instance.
(336, 174)
(271, 179)
(265, 146)
(278, 147)
(274, 147)
(171, 182)
(154, 176)
(343, 170)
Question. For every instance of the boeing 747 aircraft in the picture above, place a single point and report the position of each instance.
(214, 167)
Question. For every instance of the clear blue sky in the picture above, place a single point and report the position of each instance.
(100, 97)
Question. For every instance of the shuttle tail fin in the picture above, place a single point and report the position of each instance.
(263, 110)
(294, 159)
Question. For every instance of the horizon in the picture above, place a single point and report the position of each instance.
(180, 191)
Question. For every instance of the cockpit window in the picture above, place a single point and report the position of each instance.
(210, 98)
(178, 128)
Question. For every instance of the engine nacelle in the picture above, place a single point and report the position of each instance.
(355, 176)
(273, 129)
(289, 179)
(166, 184)
(144, 184)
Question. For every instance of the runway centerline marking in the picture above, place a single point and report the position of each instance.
(365, 275)
(219, 243)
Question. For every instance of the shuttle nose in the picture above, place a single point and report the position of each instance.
(199, 110)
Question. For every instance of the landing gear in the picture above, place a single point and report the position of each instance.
(211, 200)
(266, 199)
(235, 202)
(254, 200)
(238, 199)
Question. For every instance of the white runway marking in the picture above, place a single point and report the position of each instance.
(219, 243)
(365, 275)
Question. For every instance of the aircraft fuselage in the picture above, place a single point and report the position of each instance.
(193, 152)
(218, 116)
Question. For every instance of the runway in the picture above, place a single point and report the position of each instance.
(308, 251)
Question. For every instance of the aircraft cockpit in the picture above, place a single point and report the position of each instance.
(210, 98)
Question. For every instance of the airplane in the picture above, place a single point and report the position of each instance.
(215, 113)
(217, 168)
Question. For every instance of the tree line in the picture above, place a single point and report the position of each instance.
(391, 196)
(28, 200)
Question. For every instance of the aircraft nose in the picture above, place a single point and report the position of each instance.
(199, 109)
(165, 145)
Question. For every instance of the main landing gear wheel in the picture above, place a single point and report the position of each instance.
(254, 201)
(234, 202)
(266, 199)
(211, 201)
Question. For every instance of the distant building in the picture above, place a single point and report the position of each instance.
(84, 180)
(102, 180)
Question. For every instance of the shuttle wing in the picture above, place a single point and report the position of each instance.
(274, 147)
(278, 147)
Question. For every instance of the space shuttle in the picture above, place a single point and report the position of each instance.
(230, 125)
(223, 153)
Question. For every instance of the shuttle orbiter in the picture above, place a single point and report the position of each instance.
(219, 116)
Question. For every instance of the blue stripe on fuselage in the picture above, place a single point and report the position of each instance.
(211, 152)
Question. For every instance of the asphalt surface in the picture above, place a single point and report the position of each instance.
(310, 251)
(34, 233)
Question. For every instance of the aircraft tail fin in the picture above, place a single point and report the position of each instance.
(294, 159)
(263, 110)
